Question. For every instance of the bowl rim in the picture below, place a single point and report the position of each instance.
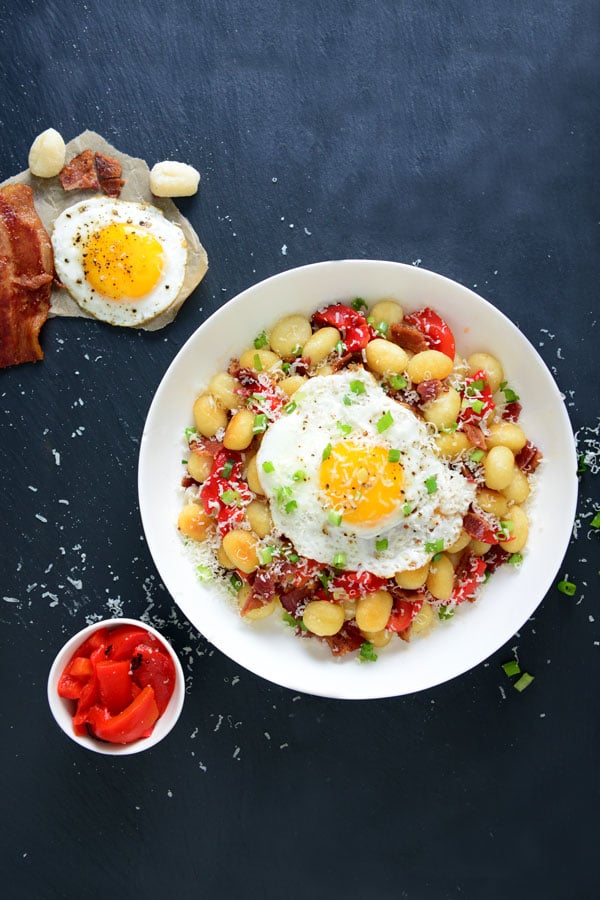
(62, 709)
(252, 295)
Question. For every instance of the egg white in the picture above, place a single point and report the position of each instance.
(72, 231)
(295, 443)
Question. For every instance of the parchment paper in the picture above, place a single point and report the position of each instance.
(50, 200)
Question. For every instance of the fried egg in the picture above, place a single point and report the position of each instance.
(354, 480)
(122, 262)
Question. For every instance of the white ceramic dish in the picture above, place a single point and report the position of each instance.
(62, 709)
(269, 648)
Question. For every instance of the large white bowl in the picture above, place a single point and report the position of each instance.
(268, 647)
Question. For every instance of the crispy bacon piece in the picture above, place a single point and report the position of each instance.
(475, 435)
(408, 337)
(92, 171)
(495, 557)
(343, 361)
(346, 640)
(512, 411)
(480, 528)
(429, 390)
(26, 270)
(529, 458)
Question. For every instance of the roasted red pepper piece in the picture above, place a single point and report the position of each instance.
(355, 584)
(134, 722)
(471, 576)
(227, 514)
(402, 614)
(153, 667)
(124, 639)
(114, 684)
(354, 328)
(437, 332)
(477, 398)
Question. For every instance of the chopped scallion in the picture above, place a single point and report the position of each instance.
(595, 523)
(235, 581)
(357, 387)
(367, 652)
(268, 466)
(228, 468)
(290, 506)
(299, 475)
(476, 455)
(393, 455)
(260, 340)
(257, 363)
(407, 509)
(358, 304)
(290, 407)
(261, 423)
(523, 682)
(339, 560)
(398, 382)
(326, 452)
(345, 429)
(566, 587)
(445, 612)
(381, 544)
(511, 667)
(434, 546)
(230, 498)
(431, 484)
(384, 422)
(334, 517)
(515, 559)
(189, 432)
(265, 555)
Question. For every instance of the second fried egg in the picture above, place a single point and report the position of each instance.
(122, 262)
(354, 480)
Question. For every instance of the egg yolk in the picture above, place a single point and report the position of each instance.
(361, 483)
(123, 261)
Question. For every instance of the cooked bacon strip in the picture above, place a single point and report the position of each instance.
(512, 411)
(495, 557)
(26, 269)
(408, 337)
(429, 390)
(475, 435)
(480, 528)
(92, 171)
(529, 458)
(346, 640)
(343, 361)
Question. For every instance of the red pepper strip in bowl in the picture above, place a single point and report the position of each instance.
(354, 328)
(436, 331)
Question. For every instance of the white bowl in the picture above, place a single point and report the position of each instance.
(268, 648)
(63, 710)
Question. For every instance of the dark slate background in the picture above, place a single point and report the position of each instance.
(460, 136)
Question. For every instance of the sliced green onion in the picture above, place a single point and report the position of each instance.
(431, 484)
(474, 386)
(228, 468)
(293, 557)
(289, 619)
(339, 560)
(347, 400)
(285, 367)
(334, 517)
(268, 466)
(449, 429)
(265, 555)
(581, 463)
(290, 506)
(398, 382)
(477, 406)
(326, 452)
(257, 363)
(510, 395)
(367, 652)
(339, 348)
(189, 432)
(511, 668)
(523, 682)
(261, 423)
(434, 546)
(357, 387)
(595, 523)
(324, 580)
(445, 612)
(381, 544)
(382, 328)
(184, 462)
(260, 341)
(393, 455)
(515, 559)
(476, 455)
(385, 421)
(566, 587)
(235, 581)
(358, 304)
(345, 429)
(230, 498)
(203, 573)
(297, 350)
(299, 475)
(407, 509)
(290, 407)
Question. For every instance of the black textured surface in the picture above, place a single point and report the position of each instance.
(461, 136)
